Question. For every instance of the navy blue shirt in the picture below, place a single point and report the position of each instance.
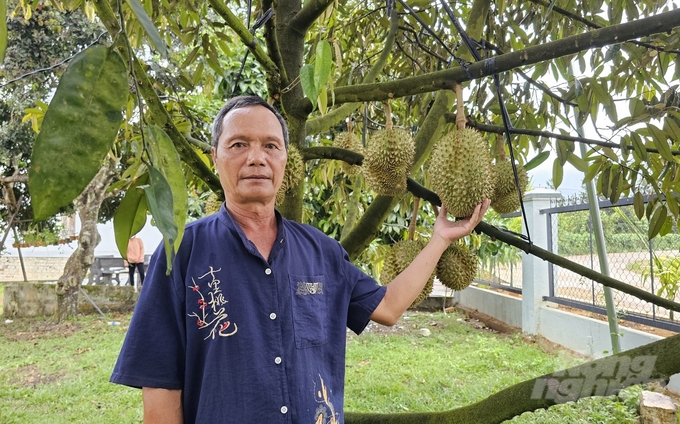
(248, 340)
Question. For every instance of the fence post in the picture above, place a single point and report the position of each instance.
(535, 281)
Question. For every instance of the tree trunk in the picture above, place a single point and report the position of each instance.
(87, 205)
(603, 377)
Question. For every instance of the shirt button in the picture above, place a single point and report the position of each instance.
(268, 271)
(284, 409)
(272, 316)
(277, 360)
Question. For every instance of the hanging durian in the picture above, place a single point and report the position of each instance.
(400, 256)
(295, 169)
(388, 159)
(349, 141)
(212, 204)
(457, 266)
(505, 198)
(461, 171)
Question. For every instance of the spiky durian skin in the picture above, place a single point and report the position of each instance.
(388, 161)
(457, 267)
(295, 169)
(349, 141)
(400, 256)
(212, 204)
(461, 172)
(505, 182)
(506, 204)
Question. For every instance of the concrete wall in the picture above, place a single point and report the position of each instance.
(575, 332)
(499, 305)
(39, 299)
(37, 268)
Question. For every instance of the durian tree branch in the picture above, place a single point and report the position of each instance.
(445, 79)
(531, 249)
(450, 117)
(541, 392)
(270, 68)
(366, 229)
(308, 14)
(155, 108)
(592, 24)
(322, 123)
(329, 152)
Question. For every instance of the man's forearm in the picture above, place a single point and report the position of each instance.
(404, 289)
(162, 406)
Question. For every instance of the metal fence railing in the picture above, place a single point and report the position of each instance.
(632, 259)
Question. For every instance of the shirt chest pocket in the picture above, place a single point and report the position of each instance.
(309, 310)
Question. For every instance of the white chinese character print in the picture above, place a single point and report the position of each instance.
(212, 315)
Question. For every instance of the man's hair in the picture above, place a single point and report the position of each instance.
(242, 102)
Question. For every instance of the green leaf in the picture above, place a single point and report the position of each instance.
(660, 139)
(164, 158)
(578, 163)
(159, 197)
(78, 130)
(537, 160)
(558, 173)
(307, 82)
(593, 170)
(672, 203)
(3, 29)
(603, 181)
(149, 27)
(615, 184)
(657, 221)
(639, 205)
(322, 64)
(130, 217)
(639, 146)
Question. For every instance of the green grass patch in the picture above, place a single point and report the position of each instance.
(454, 366)
(58, 373)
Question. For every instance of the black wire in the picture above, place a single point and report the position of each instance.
(245, 57)
(472, 47)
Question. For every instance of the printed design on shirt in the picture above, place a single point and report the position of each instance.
(304, 288)
(211, 315)
(325, 412)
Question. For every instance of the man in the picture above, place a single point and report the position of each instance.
(135, 259)
(250, 326)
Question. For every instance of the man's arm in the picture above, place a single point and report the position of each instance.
(406, 286)
(162, 406)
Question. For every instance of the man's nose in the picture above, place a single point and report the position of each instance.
(256, 155)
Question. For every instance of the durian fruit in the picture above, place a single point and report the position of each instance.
(349, 141)
(457, 266)
(212, 204)
(388, 161)
(400, 256)
(505, 198)
(295, 170)
(461, 172)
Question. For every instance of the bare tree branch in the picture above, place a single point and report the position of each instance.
(272, 70)
(446, 79)
(450, 117)
(308, 14)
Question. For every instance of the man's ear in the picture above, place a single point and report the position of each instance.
(214, 159)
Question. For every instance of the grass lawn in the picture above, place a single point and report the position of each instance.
(59, 373)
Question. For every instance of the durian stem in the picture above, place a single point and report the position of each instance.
(414, 218)
(349, 124)
(388, 116)
(461, 120)
(500, 143)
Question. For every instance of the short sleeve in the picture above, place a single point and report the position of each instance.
(153, 352)
(365, 297)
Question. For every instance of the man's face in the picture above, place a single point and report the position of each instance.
(250, 156)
